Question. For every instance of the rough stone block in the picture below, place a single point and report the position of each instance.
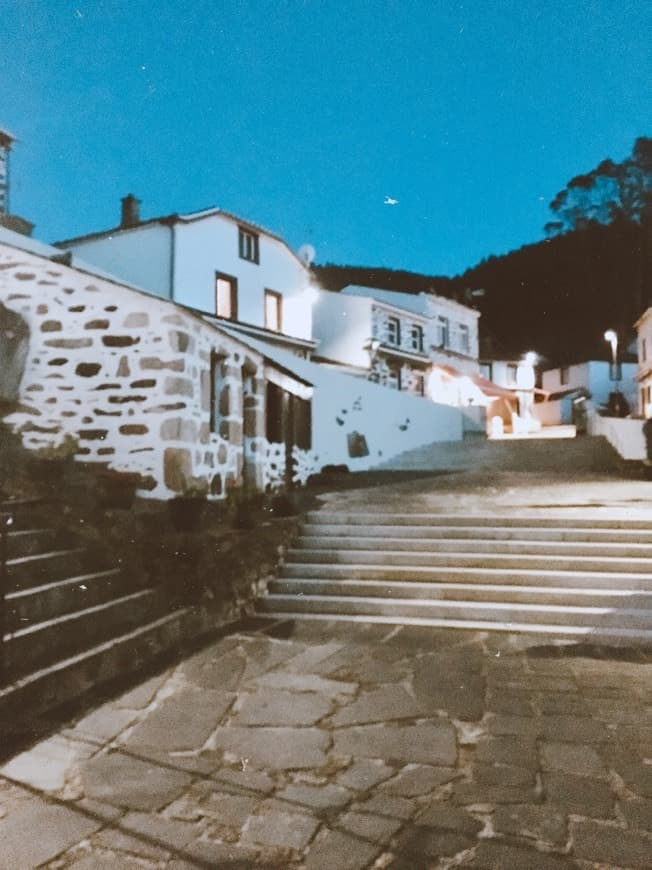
(177, 468)
(611, 846)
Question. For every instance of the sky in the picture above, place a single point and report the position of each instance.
(305, 117)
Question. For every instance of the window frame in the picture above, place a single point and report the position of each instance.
(278, 297)
(233, 302)
(464, 334)
(393, 321)
(248, 245)
(416, 337)
(443, 331)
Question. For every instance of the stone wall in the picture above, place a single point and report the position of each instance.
(141, 384)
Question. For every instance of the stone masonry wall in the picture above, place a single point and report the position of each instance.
(129, 376)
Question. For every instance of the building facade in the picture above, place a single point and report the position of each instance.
(396, 339)
(644, 366)
(213, 262)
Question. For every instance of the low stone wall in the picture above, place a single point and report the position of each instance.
(624, 434)
(142, 384)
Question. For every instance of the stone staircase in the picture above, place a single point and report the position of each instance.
(573, 577)
(70, 622)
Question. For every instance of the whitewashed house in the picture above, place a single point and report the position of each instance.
(644, 368)
(422, 344)
(214, 262)
(593, 379)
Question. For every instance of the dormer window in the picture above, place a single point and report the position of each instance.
(393, 330)
(248, 245)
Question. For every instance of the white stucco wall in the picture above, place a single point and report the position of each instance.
(342, 325)
(644, 369)
(210, 244)
(593, 376)
(345, 407)
(625, 435)
(202, 247)
(140, 256)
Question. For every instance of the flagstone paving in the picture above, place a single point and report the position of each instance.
(322, 745)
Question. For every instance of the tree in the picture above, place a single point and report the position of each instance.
(606, 194)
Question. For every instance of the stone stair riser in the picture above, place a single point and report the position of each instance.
(30, 542)
(484, 545)
(121, 656)
(585, 579)
(626, 600)
(52, 641)
(496, 613)
(45, 568)
(334, 532)
(42, 603)
(475, 520)
(470, 560)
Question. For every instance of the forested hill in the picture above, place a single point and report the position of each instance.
(556, 297)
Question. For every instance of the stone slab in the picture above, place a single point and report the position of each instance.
(372, 828)
(419, 779)
(129, 782)
(317, 798)
(364, 774)
(289, 830)
(426, 743)
(610, 845)
(267, 707)
(274, 748)
(34, 832)
(338, 849)
(170, 727)
(305, 683)
(381, 705)
(534, 822)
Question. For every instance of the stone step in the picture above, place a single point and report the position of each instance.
(505, 614)
(589, 634)
(42, 603)
(408, 518)
(47, 642)
(472, 545)
(37, 570)
(481, 592)
(24, 511)
(471, 532)
(520, 577)
(30, 542)
(26, 698)
(454, 559)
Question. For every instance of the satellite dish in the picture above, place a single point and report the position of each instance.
(307, 254)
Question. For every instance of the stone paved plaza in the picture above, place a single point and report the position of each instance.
(327, 745)
(339, 745)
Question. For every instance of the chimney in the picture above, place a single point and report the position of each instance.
(130, 211)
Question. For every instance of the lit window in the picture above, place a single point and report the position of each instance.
(443, 329)
(248, 245)
(273, 310)
(226, 296)
(465, 341)
(393, 330)
(416, 338)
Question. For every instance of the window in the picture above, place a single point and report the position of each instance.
(394, 377)
(226, 296)
(563, 375)
(219, 400)
(273, 310)
(416, 338)
(443, 330)
(393, 330)
(418, 384)
(510, 375)
(248, 245)
(465, 341)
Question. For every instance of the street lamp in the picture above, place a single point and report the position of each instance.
(615, 400)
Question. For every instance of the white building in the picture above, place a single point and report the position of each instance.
(592, 378)
(214, 262)
(403, 341)
(644, 369)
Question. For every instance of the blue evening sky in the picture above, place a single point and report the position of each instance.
(305, 116)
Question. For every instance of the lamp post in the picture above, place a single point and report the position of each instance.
(615, 399)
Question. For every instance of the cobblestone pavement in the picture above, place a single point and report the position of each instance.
(326, 745)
